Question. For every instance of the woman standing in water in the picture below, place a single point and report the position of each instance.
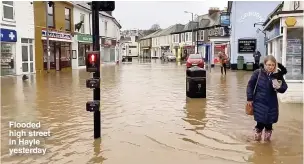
(264, 100)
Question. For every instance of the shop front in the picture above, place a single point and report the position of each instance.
(8, 51)
(201, 48)
(292, 58)
(82, 45)
(187, 50)
(287, 47)
(176, 50)
(60, 50)
(108, 50)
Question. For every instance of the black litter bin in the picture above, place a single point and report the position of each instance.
(196, 82)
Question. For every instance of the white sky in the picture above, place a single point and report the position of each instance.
(143, 14)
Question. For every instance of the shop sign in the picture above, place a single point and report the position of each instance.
(274, 32)
(218, 31)
(57, 35)
(225, 19)
(290, 21)
(85, 38)
(8, 35)
(199, 43)
(246, 45)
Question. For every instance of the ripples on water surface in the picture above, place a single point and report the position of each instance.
(146, 119)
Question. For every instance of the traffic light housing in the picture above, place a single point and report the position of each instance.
(93, 61)
(104, 5)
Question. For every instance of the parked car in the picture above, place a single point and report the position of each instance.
(195, 60)
(170, 57)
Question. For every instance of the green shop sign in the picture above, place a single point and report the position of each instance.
(85, 38)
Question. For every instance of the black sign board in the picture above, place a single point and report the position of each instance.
(246, 45)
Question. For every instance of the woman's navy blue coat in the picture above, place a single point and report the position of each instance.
(265, 100)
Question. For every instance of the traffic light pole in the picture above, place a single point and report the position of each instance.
(96, 75)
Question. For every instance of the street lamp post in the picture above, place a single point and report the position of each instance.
(47, 36)
(192, 30)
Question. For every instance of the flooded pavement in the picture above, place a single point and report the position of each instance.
(146, 118)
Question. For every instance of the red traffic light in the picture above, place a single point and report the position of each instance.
(92, 61)
(92, 58)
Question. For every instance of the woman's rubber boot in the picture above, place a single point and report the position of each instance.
(267, 135)
(257, 135)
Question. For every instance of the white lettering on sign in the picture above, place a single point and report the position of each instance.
(57, 35)
(251, 14)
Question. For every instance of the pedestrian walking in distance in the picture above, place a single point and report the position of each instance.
(262, 92)
(256, 56)
(223, 59)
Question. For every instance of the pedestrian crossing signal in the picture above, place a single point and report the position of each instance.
(93, 61)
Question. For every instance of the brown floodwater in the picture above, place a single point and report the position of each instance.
(145, 119)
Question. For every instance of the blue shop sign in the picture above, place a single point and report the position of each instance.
(200, 43)
(274, 32)
(8, 35)
(225, 19)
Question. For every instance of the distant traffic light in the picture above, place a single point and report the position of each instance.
(104, 5)
(93, 61)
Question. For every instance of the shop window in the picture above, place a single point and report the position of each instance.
(106, 27)
(51, 16)
(67, 12)
(8, 59)
(294, 54)
(8, 10)
(201, 34)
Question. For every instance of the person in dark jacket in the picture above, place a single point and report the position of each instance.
(264, 100)
(256, 56)
(281, 72)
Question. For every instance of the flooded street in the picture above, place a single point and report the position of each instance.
(146, 119)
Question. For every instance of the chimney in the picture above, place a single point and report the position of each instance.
(213, 10)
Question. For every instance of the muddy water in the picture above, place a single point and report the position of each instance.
(146, 118)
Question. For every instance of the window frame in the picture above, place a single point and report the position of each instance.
(53, 16)
(7, 5)
(69, 19)
(82, 29)
(202, 35)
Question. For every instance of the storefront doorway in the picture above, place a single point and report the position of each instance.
(60, 55)
(27, 56)
(82, 49)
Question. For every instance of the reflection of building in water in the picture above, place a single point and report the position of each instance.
(284, 33)
(196, 112)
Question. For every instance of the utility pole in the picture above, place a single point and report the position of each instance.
(47, 37)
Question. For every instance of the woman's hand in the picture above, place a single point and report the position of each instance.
(249, 103)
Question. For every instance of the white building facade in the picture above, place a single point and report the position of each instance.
(245, 36)
(83, 40)
(109, 30)
(284, 30)
(17, 38)
(155, 50)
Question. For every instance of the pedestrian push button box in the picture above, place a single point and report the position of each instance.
(93, 61)
(93, 106)
(93, 83)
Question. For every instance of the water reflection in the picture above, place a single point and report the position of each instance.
(263, 153)
(146, 118)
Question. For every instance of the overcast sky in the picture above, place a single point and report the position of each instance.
(143, 14)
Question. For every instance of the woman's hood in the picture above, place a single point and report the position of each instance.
(282, 69)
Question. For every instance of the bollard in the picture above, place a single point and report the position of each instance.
(196, 82)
